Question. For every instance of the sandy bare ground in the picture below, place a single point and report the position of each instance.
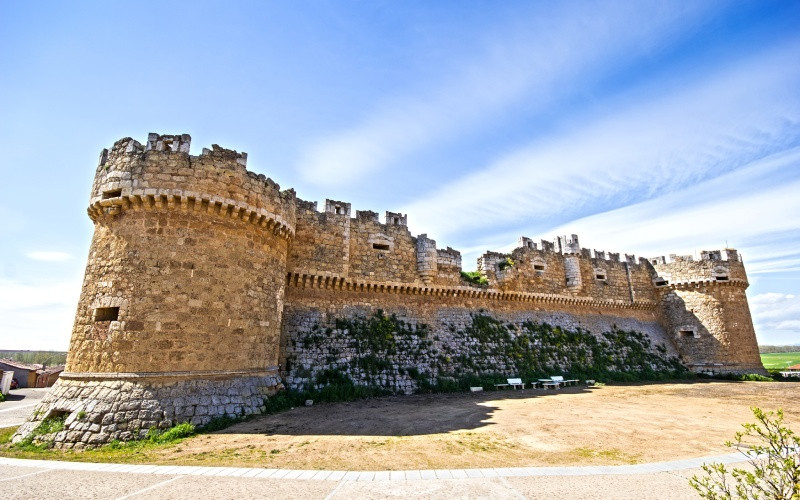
(574, 426)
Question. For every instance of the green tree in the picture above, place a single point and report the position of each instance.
(773, 455)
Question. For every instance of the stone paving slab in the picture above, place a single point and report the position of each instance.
(27, 479)
(336, 475)
(268, 472)
(386, 475)
(68, 484)
(321, 475)
(350, 476)
(412, 475)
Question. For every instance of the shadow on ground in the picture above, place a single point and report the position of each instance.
(414, 415)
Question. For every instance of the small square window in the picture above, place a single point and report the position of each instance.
(106, 314)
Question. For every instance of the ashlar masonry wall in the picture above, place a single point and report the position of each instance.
(705, 310)
(205, 281)
(179, 317)
(187, 264)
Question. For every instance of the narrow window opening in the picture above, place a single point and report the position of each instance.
(112, 194)
(106, 314)
(338, 210)
(661, 282)
(600, 277)
(380, 246)
(686, 334)
(538, 267)
(722, 278)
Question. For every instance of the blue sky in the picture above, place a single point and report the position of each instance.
(646, 128)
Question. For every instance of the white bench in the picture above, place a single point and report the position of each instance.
(549, 383)
(516, 382)
(476, 389)
(512, 382)
(560, 380)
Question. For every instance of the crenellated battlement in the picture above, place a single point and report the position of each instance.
(173, 143)
(714, 267)
(332, 242)
(163, 174)
(206, 286)
(226, 155)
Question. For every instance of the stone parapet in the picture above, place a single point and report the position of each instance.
(297, 280)
(218, 177)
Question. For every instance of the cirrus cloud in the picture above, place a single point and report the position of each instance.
(49, 256)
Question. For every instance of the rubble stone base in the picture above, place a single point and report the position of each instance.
(100, 411)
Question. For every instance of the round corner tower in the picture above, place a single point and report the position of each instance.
(179, 316)
(705, 307)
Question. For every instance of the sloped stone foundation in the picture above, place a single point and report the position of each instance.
(96, 412)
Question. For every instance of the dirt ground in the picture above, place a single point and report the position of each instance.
(606, 425)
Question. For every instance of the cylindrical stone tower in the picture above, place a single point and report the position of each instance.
(426, 259)
(706, 311)
(180, 313)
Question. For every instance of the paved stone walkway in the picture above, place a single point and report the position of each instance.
(385, 475)
(19, 404)
(39, 478)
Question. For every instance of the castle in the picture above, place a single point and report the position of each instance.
(207, 289)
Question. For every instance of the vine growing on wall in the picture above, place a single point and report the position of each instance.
(505, 264)
(474, 278)
(539, 349)
(387, 352)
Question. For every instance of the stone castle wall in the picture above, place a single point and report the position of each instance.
(206, 279)
(314, 344)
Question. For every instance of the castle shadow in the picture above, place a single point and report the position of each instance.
(415, 415)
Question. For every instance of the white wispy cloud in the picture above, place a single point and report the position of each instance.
(707, 215)
(653, 144)
(49, 256)
(554, 49)
(778, 313)
(16, 296)
(37, 316)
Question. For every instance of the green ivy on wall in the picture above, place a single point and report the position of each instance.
(388, 349)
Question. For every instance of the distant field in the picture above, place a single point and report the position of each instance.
(780, 360)
(48, 357)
